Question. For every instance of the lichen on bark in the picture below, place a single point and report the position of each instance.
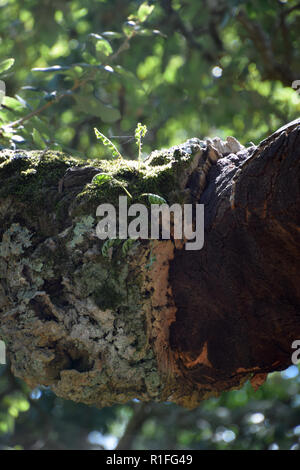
(84, 324)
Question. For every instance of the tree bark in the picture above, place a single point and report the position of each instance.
(152, 320)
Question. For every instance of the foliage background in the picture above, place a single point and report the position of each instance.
(184, 68)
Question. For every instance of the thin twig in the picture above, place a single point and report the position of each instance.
(263, 45)
(189, 35)
(78, 83)
(38, 111)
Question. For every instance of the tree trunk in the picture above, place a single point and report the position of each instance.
(103, 323)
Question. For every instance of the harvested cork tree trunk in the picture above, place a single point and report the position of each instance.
(103, 324)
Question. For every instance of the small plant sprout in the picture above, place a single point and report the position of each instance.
(102, 178)
(108, 143)
(140, 132)
(154, 198)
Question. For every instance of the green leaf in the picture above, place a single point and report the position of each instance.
(19, 139)
(22, 101)
(155, 199)
(90, 58)
(6, 65)
(107, 68)
(158, 33)
(102, 45)
(106, 245)
(144, 32)
(38, 139)
(12, 103)
(129, 76)
(101, 178)
(109, 114)
(144, 11)
(128, 27)
(75, 71)
(112, 34)
(90, 105)
(109, 244)
(54, 68)
(41, 124)
(127, 245)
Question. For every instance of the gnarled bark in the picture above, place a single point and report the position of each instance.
(152, 320)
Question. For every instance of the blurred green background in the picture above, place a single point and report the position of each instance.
(266, 419)
(185, 69)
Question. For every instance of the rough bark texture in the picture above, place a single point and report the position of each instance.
(151, 320)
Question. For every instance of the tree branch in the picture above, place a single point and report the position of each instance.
(156, 322)
(141, 413)
(263, 44)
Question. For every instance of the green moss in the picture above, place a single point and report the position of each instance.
(34, 177)
(28, 176)
(158, 175)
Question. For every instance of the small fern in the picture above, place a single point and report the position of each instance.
(100, 178)
(108, 143)
(140, 132)
(127, 245)
(109, 243)
(114, 242)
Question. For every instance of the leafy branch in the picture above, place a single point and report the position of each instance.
(36, 112)
(102, 46)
